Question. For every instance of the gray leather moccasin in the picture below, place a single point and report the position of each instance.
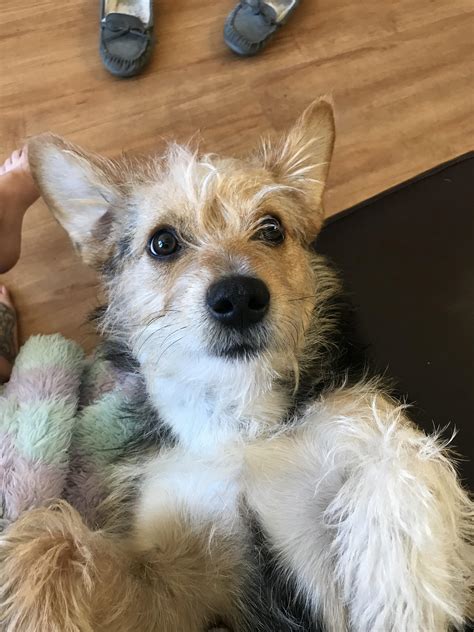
(253, 22)
(126, 35)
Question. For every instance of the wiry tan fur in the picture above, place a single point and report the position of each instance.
(362, 511)
(64, 578)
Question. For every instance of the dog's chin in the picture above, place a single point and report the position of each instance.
(239, 346)
(240, 352)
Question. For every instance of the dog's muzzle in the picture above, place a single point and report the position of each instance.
(237, 306)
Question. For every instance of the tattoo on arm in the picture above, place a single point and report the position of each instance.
(7, 333)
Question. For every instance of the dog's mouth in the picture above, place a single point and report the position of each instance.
(239, 345)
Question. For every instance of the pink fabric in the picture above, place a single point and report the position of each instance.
(43, 383)
(25, 483)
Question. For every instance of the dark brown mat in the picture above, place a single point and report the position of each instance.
(407, 258)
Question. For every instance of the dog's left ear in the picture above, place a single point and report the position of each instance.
(301, 158)
(81, 190)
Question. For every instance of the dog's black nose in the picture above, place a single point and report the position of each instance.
(238, 301)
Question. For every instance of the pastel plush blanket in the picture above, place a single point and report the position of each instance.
(61, 424)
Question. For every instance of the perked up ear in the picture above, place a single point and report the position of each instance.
(79, 190)
(301, 157)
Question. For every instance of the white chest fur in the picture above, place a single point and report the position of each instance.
(212, 403)
(214, 409)
(181, 485)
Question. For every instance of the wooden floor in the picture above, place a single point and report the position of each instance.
(400, 72)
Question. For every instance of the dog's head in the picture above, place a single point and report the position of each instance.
(202, 257)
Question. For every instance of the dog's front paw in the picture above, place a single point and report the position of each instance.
(46, 572)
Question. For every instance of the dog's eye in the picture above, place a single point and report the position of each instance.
(163, 243)
(271, 231)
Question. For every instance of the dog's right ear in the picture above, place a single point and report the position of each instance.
(81, 190)
(300, 158)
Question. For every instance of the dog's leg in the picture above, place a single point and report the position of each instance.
(58, 576)
(55, 574)
(368, 514)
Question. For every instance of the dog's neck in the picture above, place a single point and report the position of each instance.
(208, 402)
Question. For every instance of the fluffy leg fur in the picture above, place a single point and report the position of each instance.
(57, 575)
(368, 514)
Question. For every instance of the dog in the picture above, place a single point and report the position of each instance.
(280, 491)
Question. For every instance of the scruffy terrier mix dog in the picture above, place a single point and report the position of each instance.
(281, 495)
